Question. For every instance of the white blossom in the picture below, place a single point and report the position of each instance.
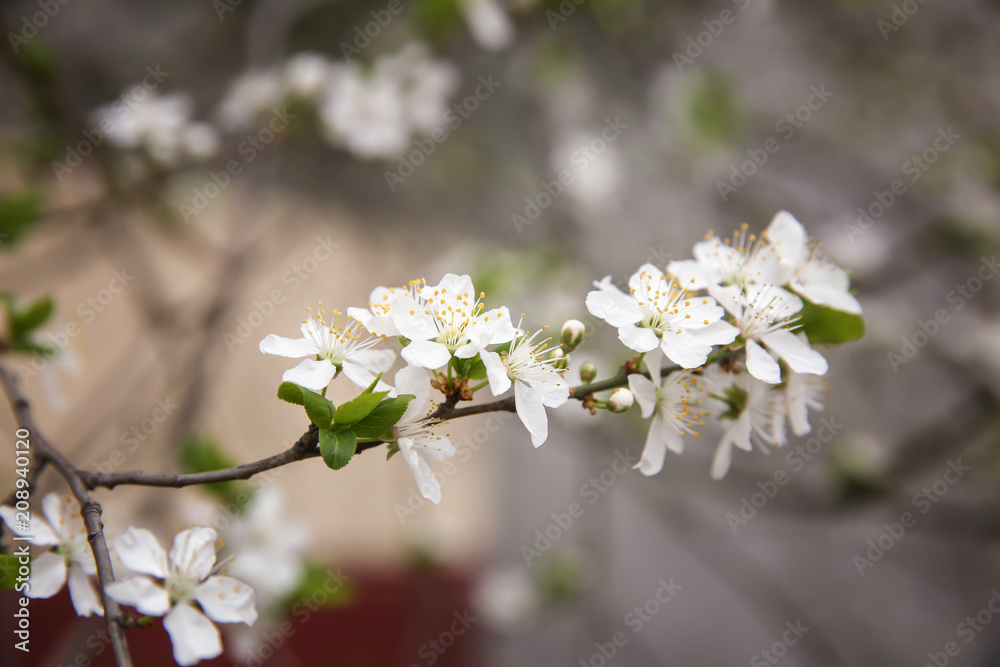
(415, 434)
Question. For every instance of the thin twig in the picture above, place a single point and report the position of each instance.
(90, 511)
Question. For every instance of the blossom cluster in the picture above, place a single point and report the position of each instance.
(183, 586)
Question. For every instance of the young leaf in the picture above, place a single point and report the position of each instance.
(469, 369)
(319, 409)
(383, 417)
(203, 455)
(27, 319)
(358, 408)
(826, 326)
(337, 447)
(8, 571)
(290, 392)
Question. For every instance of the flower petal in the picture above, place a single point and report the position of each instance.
(426, 482)
(690, 273)
(716, 333)
(788, 238)
(722, 460)
(227, 600)
(193, 552)
(761, 364)
(195, 638)
(139, 551)
(426, 354)
(684, 349)
(361, 376)
(645, 393)
(796, 352)
(311, 374)
(83, 595)
(58, 514)
(413, 380)
(141, 593)
(655, 451)
(48, 574)
(38, 532)
(640, 339)
(288, 347)
(614, 306)
(531, 412)
(411, 318)
(496, 372)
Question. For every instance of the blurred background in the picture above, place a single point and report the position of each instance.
(184, 178)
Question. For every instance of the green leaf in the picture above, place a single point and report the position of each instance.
(8, 571)
(356, 409)
(337, 447)
(319, 409)
(17, 213)
(469, 369)
(290, 392)
(383, 417)
(204, 455)
(826, 326)
(322, 585)
(25, 320)
(715, 111)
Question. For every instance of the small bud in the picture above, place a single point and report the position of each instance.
(571, 334)
(588, 372)
(560, 360)
(620, 400)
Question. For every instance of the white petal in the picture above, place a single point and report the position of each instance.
(796, 352)
(551, 388)
(363, 377)
(38, 531)
(496, 372)
(83, 595)
(195, 638)
(500, 326)
(722, 460)
(57, 514)
(655, 451)
(413, 380)
(761, 364)
(288, 347)
(411, 318)
(690, 273)
(729, 297)
(738, 433)
(433, 447)
(48, 574)
(426, 482)
(139, 551)
(640, 339)
(788, 238)
(684, 349)
(531, 412)
(311, 374)
(426, 354)
(645, 393)
(716, 333)
(193, 552)
(141, 593)
(227, 600)
(377, 361)
(614, 307)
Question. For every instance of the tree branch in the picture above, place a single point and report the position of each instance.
(90, 510)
